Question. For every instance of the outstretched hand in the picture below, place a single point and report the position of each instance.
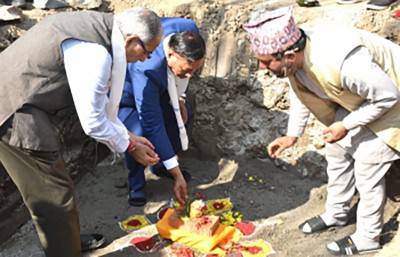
(280, 144)
(180, 186)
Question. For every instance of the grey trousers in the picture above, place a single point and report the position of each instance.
(345, 176)
(48, 192)
(359, 162)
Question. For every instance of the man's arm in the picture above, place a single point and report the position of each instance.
(88, 67)
(365, 78)
(297, 122)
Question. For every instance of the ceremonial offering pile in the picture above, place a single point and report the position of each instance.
(200, 228)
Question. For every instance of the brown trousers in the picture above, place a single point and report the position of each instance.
(48, 192)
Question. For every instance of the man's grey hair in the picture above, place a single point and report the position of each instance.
(140, 21)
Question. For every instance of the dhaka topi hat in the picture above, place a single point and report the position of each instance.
(273, 31)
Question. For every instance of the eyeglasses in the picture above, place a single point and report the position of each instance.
(147, 53)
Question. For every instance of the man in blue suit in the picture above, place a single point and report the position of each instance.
(153, 104)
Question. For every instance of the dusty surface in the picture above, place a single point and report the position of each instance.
(285, 193)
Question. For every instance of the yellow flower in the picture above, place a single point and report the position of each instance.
(134, 222)
(251, 178)
(219, 205)
(177, 204)
(231, 218)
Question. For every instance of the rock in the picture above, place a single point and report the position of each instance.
(10, 13)
(50, 4)
(85, 4)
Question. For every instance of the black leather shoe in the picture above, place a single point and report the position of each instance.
(379, 5)
(91, 241)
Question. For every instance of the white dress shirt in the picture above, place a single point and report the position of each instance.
(88, 67)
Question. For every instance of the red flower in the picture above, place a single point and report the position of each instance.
(253, 249)
(161, 213)
(144, 244)
(396, 13)
(134, 223)
(247, 228)
(218, 206)
(181, 251)
(198, 196)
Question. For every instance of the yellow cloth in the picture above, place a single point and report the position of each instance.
(206, 244)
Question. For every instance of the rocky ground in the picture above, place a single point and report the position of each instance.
(238, 111)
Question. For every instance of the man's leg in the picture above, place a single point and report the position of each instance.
(341, 189)
(341, 184)
(48, 192)
(370, 183)
(136, 177)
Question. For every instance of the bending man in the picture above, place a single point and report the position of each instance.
(153, 104)
(68, 59)
(349, 80)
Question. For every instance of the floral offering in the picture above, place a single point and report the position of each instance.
(134, 223)
(219, 206)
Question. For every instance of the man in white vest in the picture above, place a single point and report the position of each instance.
(349, 79)
(73, 59)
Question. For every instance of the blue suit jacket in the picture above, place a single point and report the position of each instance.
(146, 91)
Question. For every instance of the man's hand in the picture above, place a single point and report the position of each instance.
(142, 140)
(180, 186)
(334, 132)
(144, 150)
(184, 113)
(280, 144)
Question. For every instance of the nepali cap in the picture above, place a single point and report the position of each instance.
(274, 31)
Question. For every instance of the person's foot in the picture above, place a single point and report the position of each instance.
(91, 241)
(379, 5)
(137, 198)
(320, 223)
(346, 246)
(347, 1)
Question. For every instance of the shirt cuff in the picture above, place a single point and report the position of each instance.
(348, 124)
(171, 163)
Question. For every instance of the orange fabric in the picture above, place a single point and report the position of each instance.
(206, 244)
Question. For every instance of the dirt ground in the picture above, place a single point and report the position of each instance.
(276, 195)
(280, 198)
(102, 204)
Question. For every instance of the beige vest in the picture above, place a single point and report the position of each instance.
(323, 58)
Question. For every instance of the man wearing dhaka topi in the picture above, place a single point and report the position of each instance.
(349, 80)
